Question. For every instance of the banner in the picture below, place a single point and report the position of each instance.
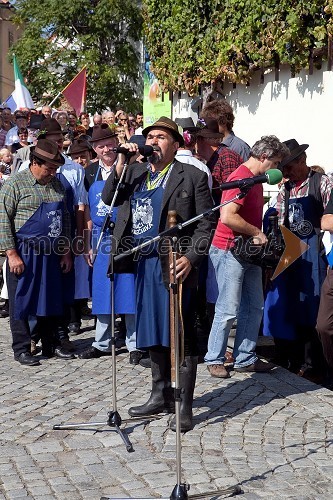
(155, 104)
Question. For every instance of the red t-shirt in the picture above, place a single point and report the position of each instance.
(251, 208)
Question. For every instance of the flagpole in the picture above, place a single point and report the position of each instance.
(54, 100)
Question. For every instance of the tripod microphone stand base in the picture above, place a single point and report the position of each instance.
(180, 493)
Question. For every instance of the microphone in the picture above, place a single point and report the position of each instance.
(272, 176)
(144, 150)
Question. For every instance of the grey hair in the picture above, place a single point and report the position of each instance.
(270, 146)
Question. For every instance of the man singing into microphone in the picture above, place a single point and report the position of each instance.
(149, 191)
(239, 282)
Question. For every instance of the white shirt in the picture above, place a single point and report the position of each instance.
(12, 136)
(186, 156)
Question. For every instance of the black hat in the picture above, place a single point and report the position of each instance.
(295, 151)
(36, 121)
(48, 151)
(210, 130)
(165, 122)
(187, 124)
(103, 131)
(49, 126)
(138, 139)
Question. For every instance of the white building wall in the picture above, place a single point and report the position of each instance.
(300, 108)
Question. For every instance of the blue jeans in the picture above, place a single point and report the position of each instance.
(240, 296)
(103, 332)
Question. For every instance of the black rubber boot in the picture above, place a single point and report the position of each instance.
(187, 376)
(161, 399)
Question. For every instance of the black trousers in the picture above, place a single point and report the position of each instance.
(325, 318)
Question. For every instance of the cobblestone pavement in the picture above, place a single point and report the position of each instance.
(270, 433)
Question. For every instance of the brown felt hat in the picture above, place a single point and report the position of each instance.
(170, 125)
(48, 151)
(49, 126)
(102, 131)
(79, 146)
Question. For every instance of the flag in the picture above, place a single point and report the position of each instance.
(21, 97)
(75, 91)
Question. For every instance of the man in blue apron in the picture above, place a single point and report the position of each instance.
(35, 233)
(149, 191)
(291, 305)
(104, 142)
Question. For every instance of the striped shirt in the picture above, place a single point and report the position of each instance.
(326, 186)
(20, 197)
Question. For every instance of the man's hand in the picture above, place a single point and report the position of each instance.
(260, 238)
(15, 262)
(183, 267)
(88, 257)
(66, 262)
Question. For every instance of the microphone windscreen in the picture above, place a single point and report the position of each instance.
(146, 150)
(274, 176)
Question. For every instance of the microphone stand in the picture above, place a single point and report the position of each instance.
(180, 490)
(113, 417)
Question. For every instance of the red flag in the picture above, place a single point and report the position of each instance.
(75, 91)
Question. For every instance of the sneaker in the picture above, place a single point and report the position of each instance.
(258, 367)
(218, 371)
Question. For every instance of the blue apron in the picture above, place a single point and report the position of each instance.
(294, 297)
(39, 287)
(124, 291)
(152, 298)
(68, 279)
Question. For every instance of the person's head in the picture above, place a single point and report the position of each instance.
(165, 138)
(122, 119)
(318, 168)
(269, 151)
(108, 117)
(21, 118)
(47, 111)
(121, 134)
(6, 156)
(208, 138)
(45, 159)
(294, 166)
(62, 119)
(85, 120)
(189, 132)
(6, 115)
(50, 129)
(23, 135)
(103, 141)
(72, 119)
(139, 118)
(81, 152)
(221, 111)
(97, 119)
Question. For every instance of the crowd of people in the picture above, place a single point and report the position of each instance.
(59, 176)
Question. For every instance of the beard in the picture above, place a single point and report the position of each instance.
(156, 157)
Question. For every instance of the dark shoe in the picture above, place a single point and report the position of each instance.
(145, 362)
(61, 353)
(86, 312)
(258, 367)
(218, 371)
(25, 358)
(67, 345)
(74, 328)
(4, 311)
(137, 356)
(92, 352)
(34, 349)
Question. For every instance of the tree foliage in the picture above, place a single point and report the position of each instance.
(192, 43)
(59, 38)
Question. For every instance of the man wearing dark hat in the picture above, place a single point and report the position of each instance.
(33, 216)
(81, 152)
(104, 141)
(291, 306)
(150, 191)
(21, 121)
(185, 153)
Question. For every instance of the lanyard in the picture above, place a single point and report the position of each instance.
(151, 184)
